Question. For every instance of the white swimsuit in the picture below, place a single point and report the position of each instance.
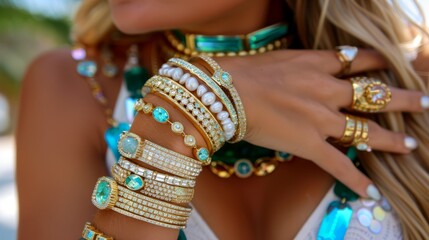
(369, 220)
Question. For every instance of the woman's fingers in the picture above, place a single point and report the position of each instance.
(342, 168)
(401, 100)
(379, 138)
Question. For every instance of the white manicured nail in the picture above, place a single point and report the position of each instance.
(424, 101)
(373, 192)
(410, 143)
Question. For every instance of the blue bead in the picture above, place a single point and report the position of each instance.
(134, 182)
(336, 221)
(203, 154)
(112, 135)
(160, 114)
(87, 68)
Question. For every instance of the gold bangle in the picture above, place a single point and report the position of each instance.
(161, 115)
(91, 233)
(210, 83)
(155, 189)
(224, 79)
(195, 111)
(153, 175)
(145, 219)
(130, 145)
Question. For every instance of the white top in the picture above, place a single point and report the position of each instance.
(363, 225)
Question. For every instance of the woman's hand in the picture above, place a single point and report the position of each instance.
(293, 101)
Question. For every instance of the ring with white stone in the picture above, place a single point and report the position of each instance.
(369, 94)
(346, 55)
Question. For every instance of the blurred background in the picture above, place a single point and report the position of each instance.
(27, 28)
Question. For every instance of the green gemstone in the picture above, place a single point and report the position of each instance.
(87, 68)
(267, 35)
(160, 114)
(134, 182)
(102, 193)
(129, 145)
(342, 191)
(218, 44)
(135, 78)
(203, 154)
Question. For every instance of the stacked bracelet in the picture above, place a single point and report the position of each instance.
(217, 91)
(108, 194)
(152, 188)
(192, 107)
(153, 175)
(161, 115)
(224, 80)
(91, 233)
(131, 146)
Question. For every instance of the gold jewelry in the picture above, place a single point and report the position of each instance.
(346, 55)
(369, 94)
(192, 107)
(156, 176)
(131, 146)
(348, 134)
(91, 233)
(161, 115)
(356, 133)
(224, 79)
(155, 189)
(244, 168)
(210, 83)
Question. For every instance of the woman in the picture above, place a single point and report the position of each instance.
(292, 100)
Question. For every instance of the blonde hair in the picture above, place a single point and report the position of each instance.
(403, 179)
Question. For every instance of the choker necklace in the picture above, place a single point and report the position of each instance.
(266, 39)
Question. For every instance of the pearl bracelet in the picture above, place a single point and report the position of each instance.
(131, 146)
(224, 79)
(209, 97)
(191, 106)
(161, 115)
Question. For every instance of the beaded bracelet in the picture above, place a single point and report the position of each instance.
(108, 194)
(191, 106)
(131, 146)
(91, 233)
(208, 98)
(161, 115)
(152, 188)
(224, 79)
(153, 175)
(209, 82)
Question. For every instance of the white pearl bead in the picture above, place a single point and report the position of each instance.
(191, 84)
(225, 121)
(424, 101)
(228, 135)
(165, 65)
(201, 90)
(184, 78)
(171, 71)
(222, 115)
(228, 127)
(177, 74)
(215, 107)
(410, 143)
(208, 98)
(160, 71)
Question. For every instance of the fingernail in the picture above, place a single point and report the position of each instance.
(424, 101)
(373, 192)
(410, 143)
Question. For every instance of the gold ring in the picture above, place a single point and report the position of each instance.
(369, 94)
(346, 55)
(356, 133)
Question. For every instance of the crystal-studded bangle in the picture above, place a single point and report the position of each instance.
(152, 188)
(128, 202)
(161, 115)
(131, 146)
(156, 176)
(224, 79)
(91, 233)
(192, 108)
(208, 98)
(209, 82)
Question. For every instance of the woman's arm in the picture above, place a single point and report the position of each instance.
(59, 152)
